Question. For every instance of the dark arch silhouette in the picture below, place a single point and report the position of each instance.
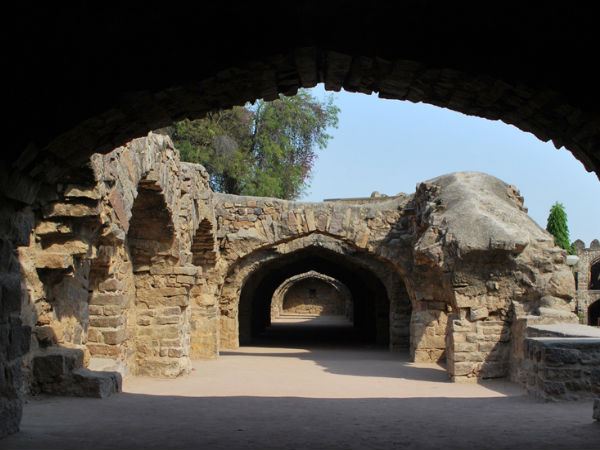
(594, 314)
(496, 61)
(370, 298)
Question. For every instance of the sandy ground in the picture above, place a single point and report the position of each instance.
(308, 396)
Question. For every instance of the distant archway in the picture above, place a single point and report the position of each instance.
(338, 299)
(595, 275)
(594, 314)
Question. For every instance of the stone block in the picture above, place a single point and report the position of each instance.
(45, 335)
(103, 350)
(102, 298)
(46, 260)
(432, 341)
(478, 313)
(96, 384)
(55, 363)
(96, 310)
(186, 279)
(48, 367)
(49, 228)
(555, 389)
(110, 285)
(114, 337)
(465, 347)
(111, 310)
(559, 356)
(73, 191)
(94, 335)
(495, 369)
(70, 210)
(106, 321)
(166, 320)
(463, 368)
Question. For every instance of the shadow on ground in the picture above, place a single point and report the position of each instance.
(167, 422)
(333, 343)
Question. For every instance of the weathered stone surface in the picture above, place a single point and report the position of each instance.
(48, 260)
(556, 108)
(96, 384)
(562, 367)
(153, 267)
(70, 210)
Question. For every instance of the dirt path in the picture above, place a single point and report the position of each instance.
(318, 398)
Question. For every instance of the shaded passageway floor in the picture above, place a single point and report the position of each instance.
(301, 331)
(322, 397)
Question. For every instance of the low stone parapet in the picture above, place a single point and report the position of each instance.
(562, 368)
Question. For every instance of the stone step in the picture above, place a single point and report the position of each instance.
(108, 365)
(89, 383)
(56, 363)
(60, 371)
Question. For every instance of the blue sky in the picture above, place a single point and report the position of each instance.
(389, 146)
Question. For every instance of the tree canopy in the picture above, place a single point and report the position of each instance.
(557, 226)
(267, 149)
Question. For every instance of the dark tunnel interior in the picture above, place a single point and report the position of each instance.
(371, 304)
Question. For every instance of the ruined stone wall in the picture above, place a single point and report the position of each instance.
(587, 257)
(472, 263)
(142, 267)
(561, 362)
(110, 268)
(15, 229)
(251, 230)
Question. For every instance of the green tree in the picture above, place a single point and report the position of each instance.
(557, 226)
(266, 149)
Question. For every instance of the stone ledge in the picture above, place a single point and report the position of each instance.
(563, 330)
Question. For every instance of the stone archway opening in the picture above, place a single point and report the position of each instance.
(312, 294)
(594, 314)
(158, 316)
(371, 307)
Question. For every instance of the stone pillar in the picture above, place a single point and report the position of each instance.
(478, 347)
(14, 337)
(204, 321)
(428, 331)
(162, 327)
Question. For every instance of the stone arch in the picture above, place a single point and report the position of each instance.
(159, 303)
(594, 275)
(151, 230)
(139, 237)
(593, 314)
(300, 255)
(454, 75)
(279, 296)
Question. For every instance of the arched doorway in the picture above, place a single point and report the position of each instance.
(311, 293)
(594, 314)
